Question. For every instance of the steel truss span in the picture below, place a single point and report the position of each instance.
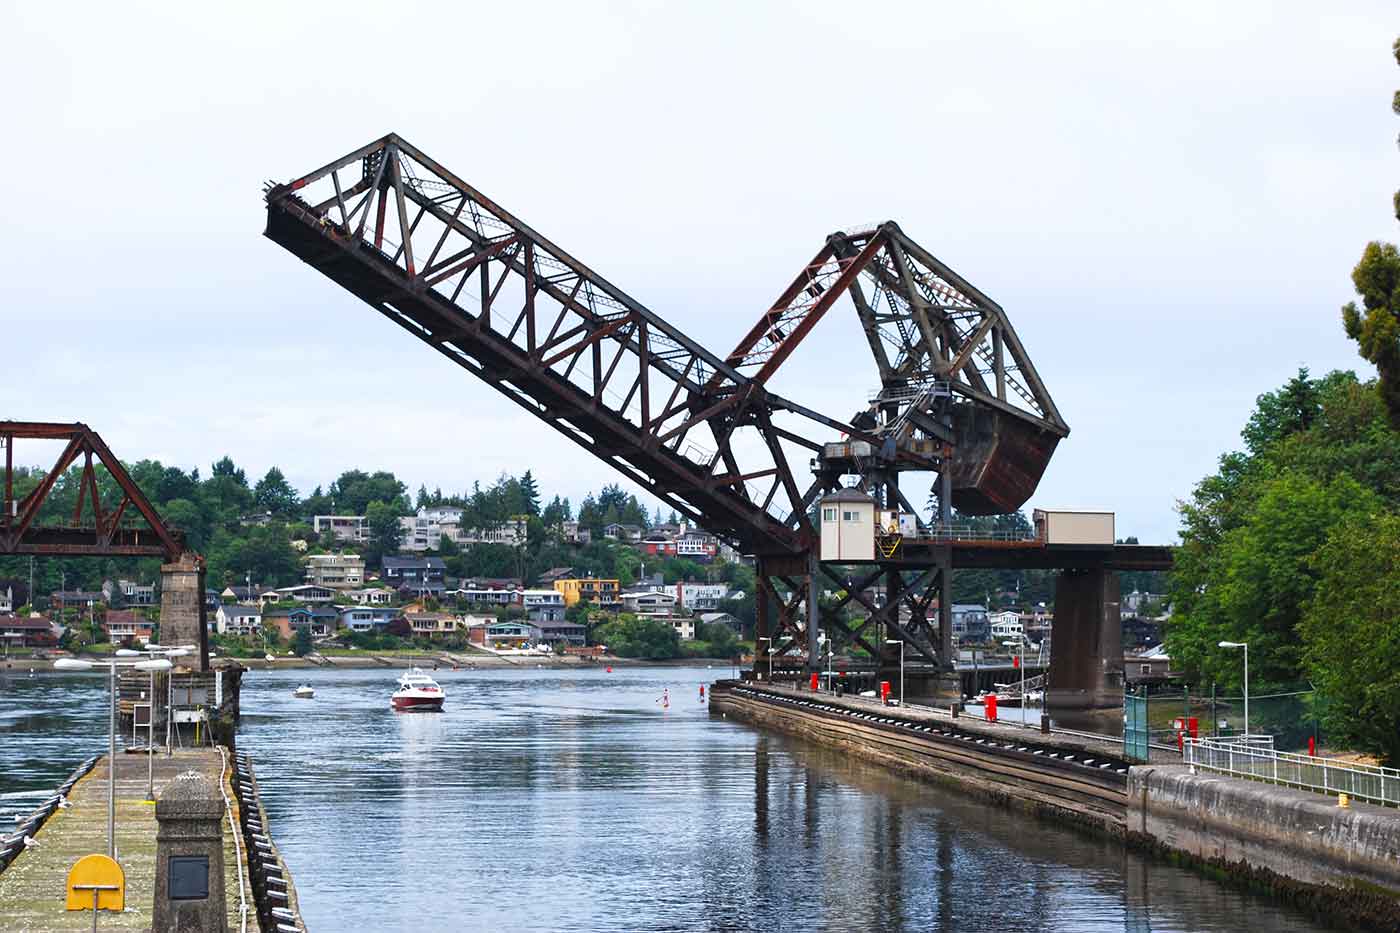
(700, 431)
(126, 527)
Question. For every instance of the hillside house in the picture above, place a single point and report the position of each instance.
(543, 605)
(413, 571)
(124, 627)
(238, 619)
(351, 529)
(32, 631)
(366, 618)
(601, 592)
(337, 571)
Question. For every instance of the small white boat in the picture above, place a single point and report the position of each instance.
(418, 692)
(304, 692)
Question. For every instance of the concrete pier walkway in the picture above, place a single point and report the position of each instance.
(32, 887)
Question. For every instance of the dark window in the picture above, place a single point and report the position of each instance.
(189, 877)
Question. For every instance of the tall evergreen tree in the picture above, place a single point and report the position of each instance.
(531, 493)
(1376, 325)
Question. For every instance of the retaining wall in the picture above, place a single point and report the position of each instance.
(1299, 842)
(1342, 863)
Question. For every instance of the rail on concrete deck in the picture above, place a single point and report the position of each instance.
(1083, 780)
(32, 887)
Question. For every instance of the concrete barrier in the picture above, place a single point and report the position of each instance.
(1342, 861)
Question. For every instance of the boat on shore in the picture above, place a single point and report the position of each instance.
(417, 692)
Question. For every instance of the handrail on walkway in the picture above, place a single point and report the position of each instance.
(1307, 772)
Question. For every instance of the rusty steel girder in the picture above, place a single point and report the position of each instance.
(478, 285)
(130, 527)
(701, 432)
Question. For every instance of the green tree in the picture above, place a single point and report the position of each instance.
(274, 494)
(1353, 641)
(318, 503)
(355, 490)
(629, 636)
(530, 493)
(1376, 325)
(190, 519)
(301, 644)
(385, 532)
(1253, 586)
(1279, 414)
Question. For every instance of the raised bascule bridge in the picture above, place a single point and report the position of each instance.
(954, 395)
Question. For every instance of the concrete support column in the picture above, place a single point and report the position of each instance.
(1086, 656)
(189, 896)
(182, 620)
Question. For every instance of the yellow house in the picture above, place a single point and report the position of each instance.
(592, 589)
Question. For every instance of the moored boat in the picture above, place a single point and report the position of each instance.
(418, 693)
(304, 692)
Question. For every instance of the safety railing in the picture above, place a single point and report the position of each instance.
(1307, 772)
(958, 531)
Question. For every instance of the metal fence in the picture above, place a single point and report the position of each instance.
(1363, 782)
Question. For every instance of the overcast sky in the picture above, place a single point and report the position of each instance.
(1168, 204)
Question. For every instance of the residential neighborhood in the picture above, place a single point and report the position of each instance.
(362, 567)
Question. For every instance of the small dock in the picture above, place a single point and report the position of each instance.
(32, 887)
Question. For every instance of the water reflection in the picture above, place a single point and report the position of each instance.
(547, 801)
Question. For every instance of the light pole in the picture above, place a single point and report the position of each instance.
(74, 664)
(769, 651)
(1245, 646)
(896, 641)
(1021, 646)
(153, 651)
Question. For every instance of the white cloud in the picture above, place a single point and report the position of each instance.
(1166, 201)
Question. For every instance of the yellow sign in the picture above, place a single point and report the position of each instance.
(100, 874)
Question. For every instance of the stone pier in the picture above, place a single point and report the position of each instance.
(182, 620)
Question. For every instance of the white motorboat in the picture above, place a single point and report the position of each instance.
(418, 693)
(304, 692)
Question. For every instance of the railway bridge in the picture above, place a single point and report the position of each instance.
(954, 395)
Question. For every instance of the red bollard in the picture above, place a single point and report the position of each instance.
(815, 679)
(1312, 746)
(991, 707)
(885, 692)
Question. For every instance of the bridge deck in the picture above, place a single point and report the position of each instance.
(32, 888)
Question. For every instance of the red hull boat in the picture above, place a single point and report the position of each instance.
(417, 693)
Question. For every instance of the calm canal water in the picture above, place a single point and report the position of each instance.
(548, 800)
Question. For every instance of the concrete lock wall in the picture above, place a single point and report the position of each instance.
(1291, 838)
(1086, 665)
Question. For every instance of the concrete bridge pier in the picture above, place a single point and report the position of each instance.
(182, 619)
(1086, 657)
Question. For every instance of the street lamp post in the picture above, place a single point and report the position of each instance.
(896, 641)
(1021, 647)
(1245, 646)
(153, 651)
(74, 664)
